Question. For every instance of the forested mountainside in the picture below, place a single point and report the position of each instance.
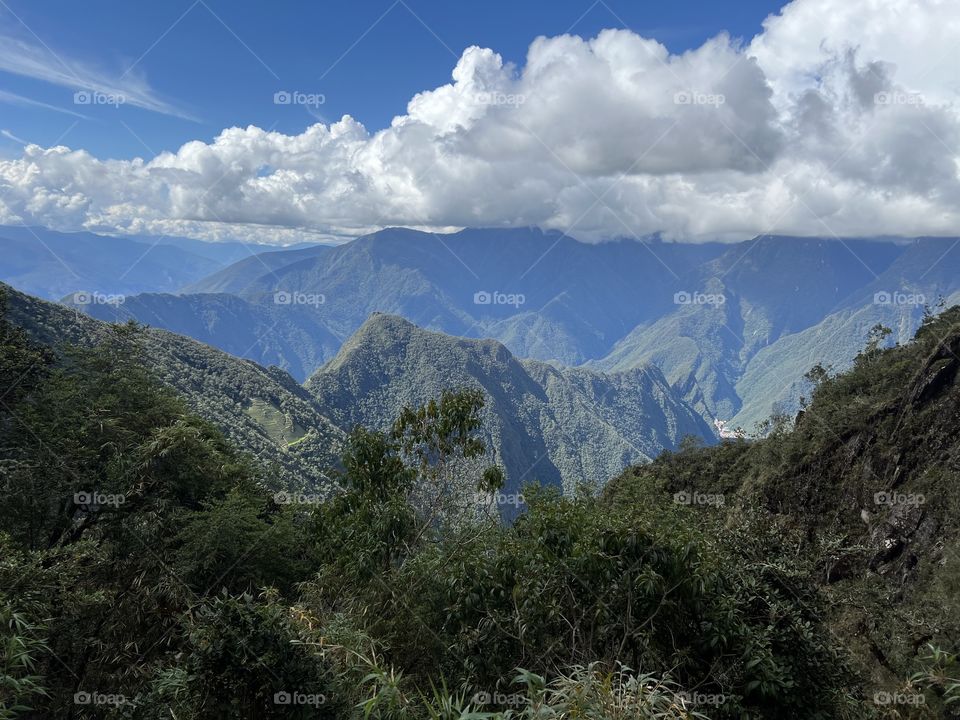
(238, 277)
(148, 571)
(559, 426)
(732, 327)
(292, 337)
(863, 491)
(545, 295)
(262, 410)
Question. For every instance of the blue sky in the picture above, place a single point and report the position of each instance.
(219, 63)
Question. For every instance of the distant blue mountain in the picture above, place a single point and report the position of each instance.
(53, 264)
(706, 315)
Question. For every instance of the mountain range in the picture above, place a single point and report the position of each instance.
(554, 425)
(51, 264)
(733, 327)
(559, 426)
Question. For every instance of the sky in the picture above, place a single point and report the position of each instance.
(288, 121)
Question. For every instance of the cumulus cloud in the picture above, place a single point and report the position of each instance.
(830, 122)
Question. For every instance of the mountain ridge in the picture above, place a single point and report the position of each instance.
(558, 425)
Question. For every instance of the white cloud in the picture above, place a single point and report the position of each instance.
(828, 122)
(14, 99)
(21, 56)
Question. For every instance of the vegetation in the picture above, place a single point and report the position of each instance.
(558, 426)
(149, 571)
(255, 407)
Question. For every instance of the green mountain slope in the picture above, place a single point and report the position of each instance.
(926, 273)
(557, 425)
(292, 337)
(742, 302)
(574, 300)
(239, 276)
(864, 490)
(263, 410)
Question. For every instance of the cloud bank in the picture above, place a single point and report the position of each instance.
(835, 120)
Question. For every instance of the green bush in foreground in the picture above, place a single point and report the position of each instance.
(185, 591)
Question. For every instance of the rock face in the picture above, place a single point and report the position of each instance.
(938, 373)
(561, 426)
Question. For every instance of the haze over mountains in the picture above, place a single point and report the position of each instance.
(733, 327)
(51, 264)
(557, 426)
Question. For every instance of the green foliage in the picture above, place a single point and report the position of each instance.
(941, 673)
(435, 433)
(124, 511)
(21, 649)
(148, 573)
(242, 661)
(367, 529)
